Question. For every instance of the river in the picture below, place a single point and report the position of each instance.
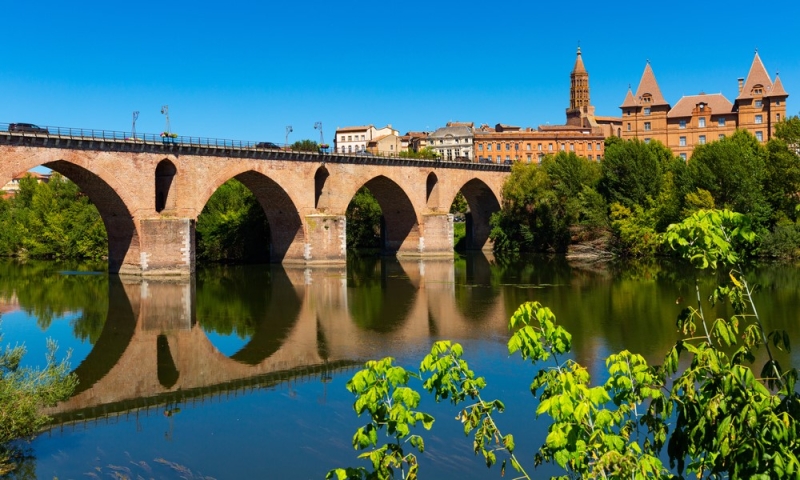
(240, 371)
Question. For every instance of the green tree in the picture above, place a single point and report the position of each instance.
(631, 172)
(233, 227)
(305, 146)
(733, 171)
(23, 392)
(363, 217)
(788, 130)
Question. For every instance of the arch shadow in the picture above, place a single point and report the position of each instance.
(165, 176)
(482, 204)
(399, 225)
(123, 238)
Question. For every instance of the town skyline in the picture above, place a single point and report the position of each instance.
(273, 67)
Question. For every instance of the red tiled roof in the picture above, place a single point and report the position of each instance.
(757, 76)
(629, 100)
(717, 105)
(649, 85)
(777, 89)
(354, 129)
(579, 68)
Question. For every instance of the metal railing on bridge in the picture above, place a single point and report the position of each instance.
(172, 139)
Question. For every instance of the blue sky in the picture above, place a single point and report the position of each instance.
(244, 70)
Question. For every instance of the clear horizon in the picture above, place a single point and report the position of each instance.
(248, 71)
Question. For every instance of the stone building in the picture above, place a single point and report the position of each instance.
(453, 141)
(702, 118)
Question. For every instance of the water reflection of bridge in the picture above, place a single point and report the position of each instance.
(152, 350)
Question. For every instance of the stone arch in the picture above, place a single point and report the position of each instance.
(164, 177)
(432, 190)
(482, 203)
(123, 237)
(286, 226)
(320, 179)
(399, 225)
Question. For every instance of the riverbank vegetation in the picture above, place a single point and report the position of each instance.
(621, 203)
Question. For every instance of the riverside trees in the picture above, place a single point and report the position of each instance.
(641, 188)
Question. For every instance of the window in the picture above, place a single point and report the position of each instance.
(590, 157)
(539, 147)
(702, 140)
(589, 147)
(508, 159)
(721, 136)
(529, 158)
(349, 149)
(647, 126)
(647, 110)
(760, 136)
(701, 122)
(683, 141)
(549, 147)
(563, 147)
(516, 147)
(499, 147)
(571, 147)
(721, 122)
(683, 156)
(598, 146)
(627, 112)
(777, 103)
(342, 140)
(758, 104)
(540, 157)
(759, 119)
(528, 147)
(777, 117)
(362, 137)
(489, 147)
(647, 140)
(629, 127)
(508, 147)
(683, 124)
(480, 147)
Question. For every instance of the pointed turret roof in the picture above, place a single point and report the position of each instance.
(649, 85)
(579, 68)
(629, 100)
(777, 88)
(757, 76)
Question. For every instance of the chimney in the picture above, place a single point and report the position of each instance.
(741, 84)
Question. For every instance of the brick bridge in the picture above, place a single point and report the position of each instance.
(149, 194)
(152, 351)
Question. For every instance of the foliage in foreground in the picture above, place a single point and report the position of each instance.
(716, 417)
(23, 392)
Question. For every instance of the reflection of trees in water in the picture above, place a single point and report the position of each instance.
(252, 301)
(44, 293)
(379, 293)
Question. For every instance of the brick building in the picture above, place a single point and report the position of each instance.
(702, 118)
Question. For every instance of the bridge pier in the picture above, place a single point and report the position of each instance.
(435, 237)
(325, 241)
(167, 246)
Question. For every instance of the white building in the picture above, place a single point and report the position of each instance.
(453, 142)
(356, 139)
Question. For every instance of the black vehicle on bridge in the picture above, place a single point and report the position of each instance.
(26, 127)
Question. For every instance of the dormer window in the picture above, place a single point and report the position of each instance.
(702, 106)
(758, 90)
(647, 98)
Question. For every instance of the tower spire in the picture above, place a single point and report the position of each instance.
(579, 100)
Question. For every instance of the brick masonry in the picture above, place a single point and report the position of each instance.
(150, 218)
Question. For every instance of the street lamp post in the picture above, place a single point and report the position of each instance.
(165, 112)
(133, 125)
(288, 131)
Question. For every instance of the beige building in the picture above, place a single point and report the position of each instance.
(453, 141)
(11, 188)
(356, 139)
(702, 118)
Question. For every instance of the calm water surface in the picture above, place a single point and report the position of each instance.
(240, 372)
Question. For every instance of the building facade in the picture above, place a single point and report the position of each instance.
(699, 119)
(453, 141)
(356, 139)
